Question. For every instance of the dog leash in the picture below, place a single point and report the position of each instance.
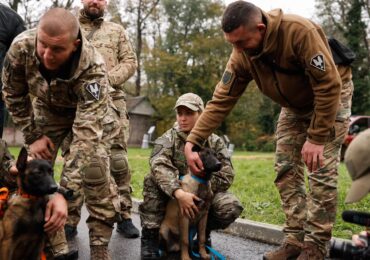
(215, 255)
(198, 179)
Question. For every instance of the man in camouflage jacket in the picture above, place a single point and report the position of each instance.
(111, 40)
(168, 163)
(54, 83)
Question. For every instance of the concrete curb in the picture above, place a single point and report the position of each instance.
(258, 231)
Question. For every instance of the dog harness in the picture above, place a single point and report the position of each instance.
(4, 196)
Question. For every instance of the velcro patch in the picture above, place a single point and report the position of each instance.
(94, 89)
(226, 78)
(318, 62)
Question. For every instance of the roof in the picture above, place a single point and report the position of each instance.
(139, 105)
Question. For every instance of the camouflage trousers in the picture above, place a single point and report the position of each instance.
(309, 215)
(225, 207)
(81, 170)
(119, 169)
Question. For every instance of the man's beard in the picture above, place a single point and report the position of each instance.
(94, 14)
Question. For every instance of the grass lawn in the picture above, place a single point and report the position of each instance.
(253, 185)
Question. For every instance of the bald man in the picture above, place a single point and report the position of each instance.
(55, 82)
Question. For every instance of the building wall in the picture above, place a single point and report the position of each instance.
(139, 125)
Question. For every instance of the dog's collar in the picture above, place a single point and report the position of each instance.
(25, 195)
(198, 179)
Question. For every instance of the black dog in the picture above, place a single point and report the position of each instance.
(174, 230)
(21, 229)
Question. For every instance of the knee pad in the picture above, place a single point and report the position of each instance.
(95, 172)
(118, 163)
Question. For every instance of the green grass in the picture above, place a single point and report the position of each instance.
(253, 185)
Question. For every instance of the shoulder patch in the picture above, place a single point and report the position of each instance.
(226, 78)
(94, 89)
(318, 62)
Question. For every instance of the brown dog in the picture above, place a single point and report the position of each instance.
(174, 229)
(21, 229)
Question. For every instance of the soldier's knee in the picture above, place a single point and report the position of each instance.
(226, 208)
(119, 163)
(95, 172)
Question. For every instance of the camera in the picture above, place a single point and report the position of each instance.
(340, 249)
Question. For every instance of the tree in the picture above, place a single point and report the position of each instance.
(346, 19)
(190, 56)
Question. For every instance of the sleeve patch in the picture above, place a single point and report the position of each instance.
(226, 78)
(94, 90)
(318, 62)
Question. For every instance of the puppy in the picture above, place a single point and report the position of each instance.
(21, 229)
(174, 230)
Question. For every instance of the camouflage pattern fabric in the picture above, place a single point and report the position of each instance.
(7, 161)
(76, 101)
(309, 215)
(111, 40)
(168, 163)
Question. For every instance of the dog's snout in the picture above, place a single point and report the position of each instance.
(53, 188)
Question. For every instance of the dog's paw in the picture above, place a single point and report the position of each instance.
(205, 257)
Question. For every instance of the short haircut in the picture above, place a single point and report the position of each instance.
(240, 13)
(58, 21)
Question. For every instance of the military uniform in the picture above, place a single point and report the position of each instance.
(168, 163)
(75, 100)
(7, 161)
(111, 41)
(295, 69)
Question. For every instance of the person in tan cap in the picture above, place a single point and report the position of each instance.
(168, 163)
(357, 161)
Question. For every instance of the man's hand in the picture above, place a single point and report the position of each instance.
(194, 162)
(361, 239)
(313, 155)
(186, 203)
(13, 170)
(56, 213)
(42, 148)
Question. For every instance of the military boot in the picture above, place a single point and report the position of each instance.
(70, 231)
(150, 244)
(311, 252)
(285, 251)
(127, 229)
(72, 255)
(99, 253)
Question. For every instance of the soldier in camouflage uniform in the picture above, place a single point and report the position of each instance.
(111, 40)
(168, 163)
(55, 82)
(290, 60)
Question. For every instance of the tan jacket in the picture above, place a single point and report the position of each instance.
(312, 83)
(112, 42)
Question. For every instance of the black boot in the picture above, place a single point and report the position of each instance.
(150, 244)
(127, 229)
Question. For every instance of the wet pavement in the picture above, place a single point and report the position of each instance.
(232, 247)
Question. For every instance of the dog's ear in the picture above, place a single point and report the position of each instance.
(22, 160)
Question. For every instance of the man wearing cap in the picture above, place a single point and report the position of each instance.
(357, 160)
(168, 163)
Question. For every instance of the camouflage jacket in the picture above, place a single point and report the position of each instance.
(81, 92)
(7, 161)
(168, 162)
(112, 42)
